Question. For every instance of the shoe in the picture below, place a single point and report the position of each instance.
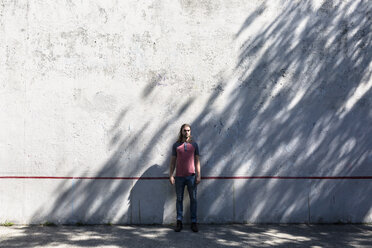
(179, 226)
(194, 227)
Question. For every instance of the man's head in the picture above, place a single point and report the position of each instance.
(185, 133)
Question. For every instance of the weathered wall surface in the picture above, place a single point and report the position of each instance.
(276, 89)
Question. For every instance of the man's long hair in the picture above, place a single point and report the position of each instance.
(180, 136)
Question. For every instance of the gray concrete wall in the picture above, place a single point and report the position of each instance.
(271, 88)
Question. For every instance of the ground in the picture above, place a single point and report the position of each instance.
(209, 236)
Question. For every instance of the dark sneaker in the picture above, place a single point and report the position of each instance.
(179, 226)
(194, 227)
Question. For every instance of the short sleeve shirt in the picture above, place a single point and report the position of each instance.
(185, 156)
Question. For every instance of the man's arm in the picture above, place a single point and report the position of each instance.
(197, 168)
(171, 169)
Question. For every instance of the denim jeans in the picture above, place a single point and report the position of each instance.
(181, 182)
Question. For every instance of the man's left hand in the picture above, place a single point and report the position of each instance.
(198, 179)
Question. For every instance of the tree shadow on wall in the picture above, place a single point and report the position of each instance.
(301, 107)
(110, 195)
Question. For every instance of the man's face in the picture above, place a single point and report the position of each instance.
(186, 132)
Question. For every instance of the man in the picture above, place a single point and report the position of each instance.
(185, 159)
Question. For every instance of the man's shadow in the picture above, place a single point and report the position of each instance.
(148, 197)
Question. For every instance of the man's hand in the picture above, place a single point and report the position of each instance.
(171, 179)
(198, 179)
(171, 169)
(197, 169)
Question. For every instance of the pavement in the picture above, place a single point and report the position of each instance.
(234, 235)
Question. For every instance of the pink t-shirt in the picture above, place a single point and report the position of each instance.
(185, 153)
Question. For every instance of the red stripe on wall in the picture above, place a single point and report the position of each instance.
(205, 178)
(285, 177)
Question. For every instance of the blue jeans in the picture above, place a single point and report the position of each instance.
(181, 182)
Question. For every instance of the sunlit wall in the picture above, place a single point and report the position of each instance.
(278, 94)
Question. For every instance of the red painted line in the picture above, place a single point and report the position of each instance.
(205, 178)
(89, 178)
(284, 177)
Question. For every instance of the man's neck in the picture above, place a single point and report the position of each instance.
(186, 139)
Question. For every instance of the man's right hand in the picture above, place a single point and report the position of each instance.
(171, 179)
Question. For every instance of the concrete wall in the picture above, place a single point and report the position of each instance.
(271, 88)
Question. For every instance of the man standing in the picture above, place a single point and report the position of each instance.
(185, 159)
